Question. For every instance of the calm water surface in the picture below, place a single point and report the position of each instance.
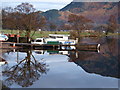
(63, 69)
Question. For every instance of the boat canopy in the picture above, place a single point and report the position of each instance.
(59, 36)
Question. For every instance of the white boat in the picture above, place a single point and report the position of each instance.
(38, 41)
(55, 39)
(3, 37)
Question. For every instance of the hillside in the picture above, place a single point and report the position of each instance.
(77, 7)
(99, 12)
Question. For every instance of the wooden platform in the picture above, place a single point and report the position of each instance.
(83, 46)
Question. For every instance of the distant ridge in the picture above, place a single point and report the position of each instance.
(99, 12)
(72, 5)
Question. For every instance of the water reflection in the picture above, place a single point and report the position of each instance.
(64, 67)
(25, 72)
(105, 63)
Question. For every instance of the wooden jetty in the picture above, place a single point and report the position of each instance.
(88, 46)
(84, 47)
(40, 46)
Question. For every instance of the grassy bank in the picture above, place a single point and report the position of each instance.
(34, 35)
(46, 33)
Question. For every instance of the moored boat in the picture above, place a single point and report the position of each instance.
(55, 39)
(3, 37)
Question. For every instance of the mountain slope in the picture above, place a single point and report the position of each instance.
(99, 12)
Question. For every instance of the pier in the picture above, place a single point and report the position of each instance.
(83, 46)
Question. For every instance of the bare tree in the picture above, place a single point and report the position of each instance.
(112, 24)
(23, 17)
(52, 26)
(79, 23)
(65, 26)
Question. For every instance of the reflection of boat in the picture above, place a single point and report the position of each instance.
(64, 52)
(51, 52)
(40, 52)
(55, 39)
(2, 61)
(3, 37)
(57, 52)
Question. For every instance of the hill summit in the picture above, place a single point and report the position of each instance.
(98, 12)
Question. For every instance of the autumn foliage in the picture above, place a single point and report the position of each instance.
(23, 17)
(79, 23)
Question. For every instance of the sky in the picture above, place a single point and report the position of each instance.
(42, 5)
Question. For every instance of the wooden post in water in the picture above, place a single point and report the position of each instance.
(13, 44)
(60, 47)
(88, 47)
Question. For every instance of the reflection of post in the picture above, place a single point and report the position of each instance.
(17, 56)
(28, 61)
(76, 54)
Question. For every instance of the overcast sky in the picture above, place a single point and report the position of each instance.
(45, 5)
(42, 5)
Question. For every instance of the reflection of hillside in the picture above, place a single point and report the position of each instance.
(104, 67)
(110, 48)
(104, 63)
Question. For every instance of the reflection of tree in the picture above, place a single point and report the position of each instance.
(112, 24)
(25, 72)
(113, 46)
(79, 23)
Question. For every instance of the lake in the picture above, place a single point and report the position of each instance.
(27, 68)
